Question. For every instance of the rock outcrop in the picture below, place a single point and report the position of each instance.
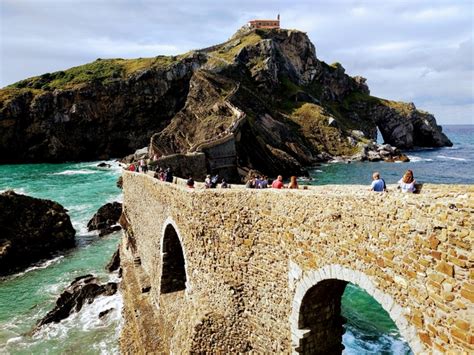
(261, 100)
(82, 290)
(31, 229)
(105, 220)
(104, 109)
(114, 262)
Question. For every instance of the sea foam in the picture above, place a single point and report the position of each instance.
(75, 172)
(451, 158)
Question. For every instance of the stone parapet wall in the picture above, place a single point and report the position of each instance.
(253, 256)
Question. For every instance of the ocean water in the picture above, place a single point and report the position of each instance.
(27, 296)
(83, 187)
(449, 165)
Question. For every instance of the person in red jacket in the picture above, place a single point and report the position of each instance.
(278, 183)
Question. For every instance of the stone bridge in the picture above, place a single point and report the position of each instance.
(236, 270)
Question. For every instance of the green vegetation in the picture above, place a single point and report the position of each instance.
(313, 121)
(401, 107)
(228, 53)
(286, 94)
(8, 93)
(101, 70)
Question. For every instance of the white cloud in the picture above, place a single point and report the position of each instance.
(433, 14)
(359, 11)
(419, 50)
(108, 47)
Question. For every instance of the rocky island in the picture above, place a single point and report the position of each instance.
(261, 100)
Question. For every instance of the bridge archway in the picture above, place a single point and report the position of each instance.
(316, 321)
(174, 276)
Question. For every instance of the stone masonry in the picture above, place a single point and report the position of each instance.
(237, 270)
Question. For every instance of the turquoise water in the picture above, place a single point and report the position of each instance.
(450, 165)
(26, 297)
(369, 328)
(82, 188)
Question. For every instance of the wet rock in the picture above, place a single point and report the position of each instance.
(31, 229)
(114, 262)
(401, 158)
(119, 182)
(83, 290)
(106, 218)
(332, 122)
(104, 313)
(103, 165)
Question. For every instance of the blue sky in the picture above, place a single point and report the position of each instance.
(418, 51)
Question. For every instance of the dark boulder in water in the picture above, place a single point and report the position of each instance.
(114, 262)
(104, 313)
(106, 218)
(82, 290)
(103, 165)
(119, 182)
(31, 229)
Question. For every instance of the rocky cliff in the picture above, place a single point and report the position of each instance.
(284, 108)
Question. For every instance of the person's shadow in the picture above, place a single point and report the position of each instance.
(418, 188)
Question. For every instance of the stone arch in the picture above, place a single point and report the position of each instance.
(323, 289)
(174, 276)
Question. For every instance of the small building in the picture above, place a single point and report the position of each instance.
(265, 23)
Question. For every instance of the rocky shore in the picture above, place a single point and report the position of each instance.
(105, 220)
(82, 290)
(31, 229)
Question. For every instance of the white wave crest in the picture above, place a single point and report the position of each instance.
(414, 158)
(87, 319)
(18, 190)
(450, 158)
(75, 172)
(42, 265)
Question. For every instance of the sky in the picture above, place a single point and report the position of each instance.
(409, 50)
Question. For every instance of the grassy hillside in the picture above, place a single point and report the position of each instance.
(101, 70)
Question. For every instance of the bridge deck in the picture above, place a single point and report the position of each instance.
(255, 262)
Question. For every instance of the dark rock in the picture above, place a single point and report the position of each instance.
(106, 218)
(82, 290)
(114, 262)
(103, 165)
(119, 182)
(104, 313)
(109, 230)
(97, 119)
(31, 229)
(399, 157)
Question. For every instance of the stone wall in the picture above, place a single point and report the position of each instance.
(257, 260)
(222, 159)
(184, 165)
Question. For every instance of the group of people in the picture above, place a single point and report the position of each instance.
(163, 174)
(210, 182)
(263, 182)
(405, 184)
(140, 167)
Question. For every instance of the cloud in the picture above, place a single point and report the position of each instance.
(433, 14)
(420, 51)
